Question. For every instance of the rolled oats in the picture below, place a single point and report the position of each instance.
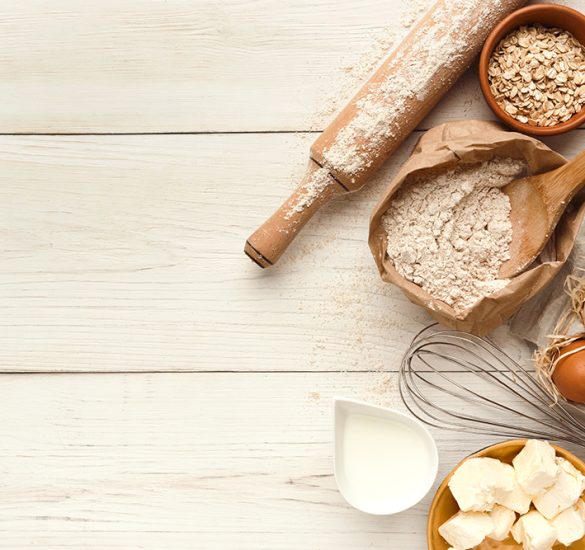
(537, 75)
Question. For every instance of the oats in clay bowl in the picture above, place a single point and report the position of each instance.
(532, 69)
(442, 230)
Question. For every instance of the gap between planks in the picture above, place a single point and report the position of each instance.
(229, 372)
(193, 133)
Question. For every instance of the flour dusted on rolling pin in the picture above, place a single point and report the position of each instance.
(312, 190)
(388, 108)
(450, 233)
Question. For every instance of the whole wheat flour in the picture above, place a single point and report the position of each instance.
(450, 233)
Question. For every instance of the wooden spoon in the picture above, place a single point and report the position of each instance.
(538, 202)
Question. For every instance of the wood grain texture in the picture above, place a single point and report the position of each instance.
(125, 253)
(184, 66)
(206, 461)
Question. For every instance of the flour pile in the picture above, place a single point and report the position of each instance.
(451, 233)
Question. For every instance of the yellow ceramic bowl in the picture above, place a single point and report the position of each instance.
(444, 505)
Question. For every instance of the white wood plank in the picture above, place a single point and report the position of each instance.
(179, 65)
(125, 253)
(188, 461)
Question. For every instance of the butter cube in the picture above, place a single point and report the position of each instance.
(503, 519)
(534, 532)
(536, 467)
(564, 493)
(566, 466)
(479, 483)
(466, 529)
(517, 500)
(571, 470)
(570, 524)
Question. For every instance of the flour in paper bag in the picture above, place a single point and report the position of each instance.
(450, 233)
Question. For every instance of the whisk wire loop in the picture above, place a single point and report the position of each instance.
(445, 373)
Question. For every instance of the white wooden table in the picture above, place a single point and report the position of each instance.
(158, 389)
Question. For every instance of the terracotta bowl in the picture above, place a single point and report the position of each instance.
(444, 505)
(549, 15)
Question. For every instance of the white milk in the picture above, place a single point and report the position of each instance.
(383, 460)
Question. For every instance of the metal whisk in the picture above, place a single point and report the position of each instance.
(457, 381)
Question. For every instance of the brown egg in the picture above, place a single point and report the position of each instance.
(569, 374)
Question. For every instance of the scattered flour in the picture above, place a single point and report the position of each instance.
(416, 9)
(443, 44)
(451, 233)
(352, 74)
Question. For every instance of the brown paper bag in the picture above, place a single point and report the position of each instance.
(471, 141)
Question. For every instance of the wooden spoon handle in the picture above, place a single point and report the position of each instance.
(565, 182)
(267, 244)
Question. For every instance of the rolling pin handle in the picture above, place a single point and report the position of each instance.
(267, 244)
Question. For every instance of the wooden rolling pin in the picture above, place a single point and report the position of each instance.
(382, 114)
